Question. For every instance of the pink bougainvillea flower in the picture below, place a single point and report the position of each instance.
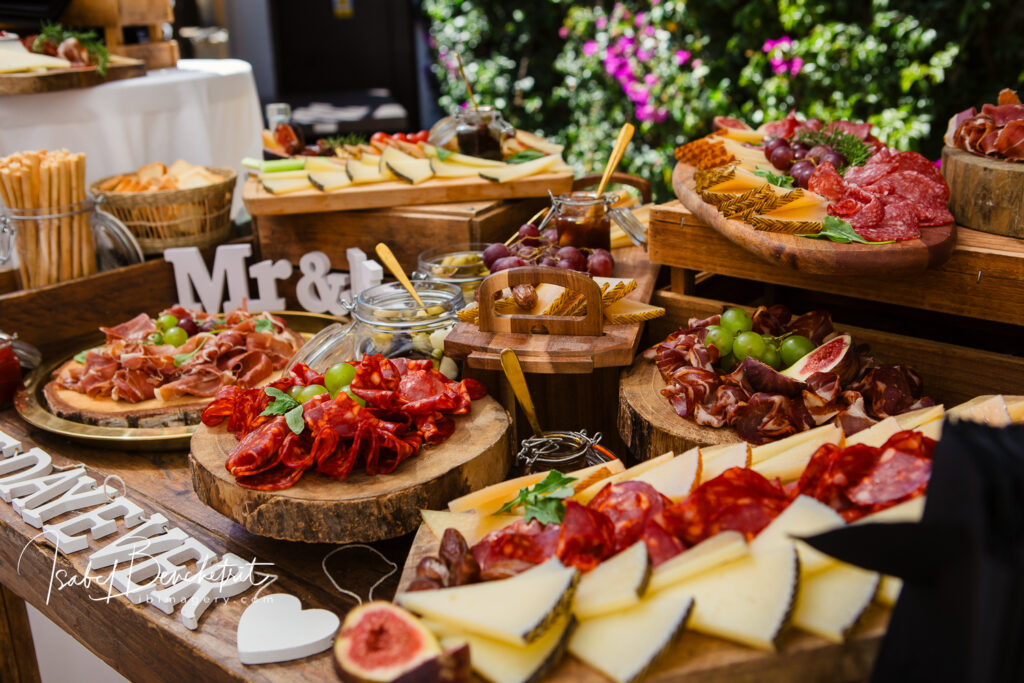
(590, 48)
(682, 57)
(644, 55)
(650, 79)
(779, 65)
(563, 32)
(649, 31)
(768, 46)
(660, 115)
(645, 112)
(795, 65)
(601, 23)
(641, 19)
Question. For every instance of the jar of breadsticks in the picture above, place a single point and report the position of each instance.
(46, 217)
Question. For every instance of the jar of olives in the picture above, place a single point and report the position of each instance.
(461, 265)
(388, 320)
(582, 219)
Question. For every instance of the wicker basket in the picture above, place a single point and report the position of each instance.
(161, 219)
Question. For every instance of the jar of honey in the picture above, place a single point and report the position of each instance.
(480, 131)
(564, 451)
(582, 219)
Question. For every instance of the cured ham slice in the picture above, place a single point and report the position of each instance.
(997, 131)
(136, 329)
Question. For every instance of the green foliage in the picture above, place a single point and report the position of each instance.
(578, 71)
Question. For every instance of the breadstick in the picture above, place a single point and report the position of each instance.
(75, 246)
(65, 244)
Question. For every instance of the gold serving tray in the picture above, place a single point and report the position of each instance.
(32, 407)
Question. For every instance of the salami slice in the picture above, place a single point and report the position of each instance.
(661, 545)
(629, 505)
(898, 476)
(587, 537)
(259, 450)
(277, 478)
(870, 215)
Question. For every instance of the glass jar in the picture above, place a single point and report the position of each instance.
(564, 451)
(479, 132)
(461, 265)
(582, 219)
(10, 370)
(388, 320)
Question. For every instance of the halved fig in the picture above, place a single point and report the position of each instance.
(381, 643)
(836, 356)
(764, 378)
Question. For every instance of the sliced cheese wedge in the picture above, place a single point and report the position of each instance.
(624, 645)
(464, 159)
(500, 662)
(910, 511)
(329, 181)
(283, 175)
(446, 169)
(718, 459)
(933, 429)
(472, 526)
(586, 495)
(675, 478)
(13, 61)
(615, 584)
(512, 172)
(362, 174)
(830, 602)
(990, 410)
(369, 160)
(889, 590)
(916, 418)
(491, 498)
(875, 435)
(626, 311)
(720, 549)
(413, 171)
(516, 611)
(286, 185)
(770, 450)
(324, 164)
(788, 466)
(748, 600)
(538, 143)
(1015, 406)
(805, 516)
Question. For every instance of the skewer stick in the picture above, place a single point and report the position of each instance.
(532, 220)
(469, 88)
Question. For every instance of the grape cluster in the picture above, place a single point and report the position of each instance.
(535, 247)
(799, 160)
(735, 339)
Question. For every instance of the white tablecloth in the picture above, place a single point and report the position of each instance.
(205, 111)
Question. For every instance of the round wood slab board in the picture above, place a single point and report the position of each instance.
(985, 194)
(362, 508)
(820, 256)
(647, 422)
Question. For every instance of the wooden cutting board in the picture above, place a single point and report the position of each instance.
(362, 508)
(66, 79)
(259, 202)
(821, 256)
(984, 193)
(696, 658)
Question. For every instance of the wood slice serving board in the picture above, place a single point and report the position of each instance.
(820, 256)
(696, 658)
(647, 423)
(984, 193)
(362, 508)
(259, 202)
(67, 79)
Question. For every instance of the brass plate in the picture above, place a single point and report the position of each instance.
(32, 407)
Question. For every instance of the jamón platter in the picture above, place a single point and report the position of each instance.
(820, 256)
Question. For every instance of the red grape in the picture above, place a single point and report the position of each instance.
(818, 152)
(801, 172)
(600, 264)
(189, 325)
(835, 158)
(782, 157)
(773, 143)
(550, 235)
(548, 261)
(799, 151)
(493, 252)
(573, 256)
(565, 264)
(529, 234)
(508, 262)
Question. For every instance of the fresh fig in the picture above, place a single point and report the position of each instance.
(764, 378)
(380, 642)
(835, 356)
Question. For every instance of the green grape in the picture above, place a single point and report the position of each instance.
(155, 338)
(771, 358)
(338, 376)
(166, 321)
(309, 392)
(727, 363)
(748, 344)
(794, 348)
(295, 391)
(719, 337)
(355, 398)
(175, 336)
(737, 320)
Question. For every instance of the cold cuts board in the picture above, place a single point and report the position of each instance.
(820, 256)
(362, 508)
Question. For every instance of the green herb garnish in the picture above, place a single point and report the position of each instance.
(182, 358)
(776, 180)
(264, 325)
(443, 154)
(524, 156)
(283, 404)
(336, 141)
(854, 150)
(545, 501)
(80, 356)
(838, 230)
(57, 34)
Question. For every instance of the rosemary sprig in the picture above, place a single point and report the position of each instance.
(855, 150)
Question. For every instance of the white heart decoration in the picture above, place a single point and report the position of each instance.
(275, 628)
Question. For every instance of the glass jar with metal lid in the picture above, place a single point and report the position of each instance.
(460, 264)
(564, 451)
(388, 320)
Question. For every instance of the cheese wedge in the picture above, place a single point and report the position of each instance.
(830, 602)
(741, 135)
(875, 435)
(675, 478)
(933, 429)
(362, 174)
(583, 497)
(624, 645)
(889, 590)
(329, 181)
(916, 418)
(718, 459)
(324, 164)
(748, 600)
(511, 172)
(615, 584)
(788, 466)
(500, 662)
(286, 185)
(538, 143)
(283, 175)
(1015, 406)
(720, 549)
(413, 171)
(770, 450)
(446, 169)
(369, 160)
(626, 311)
(805, 516)
(491, 498)
(14, 61)
(910, 511)
(516, 611)
(464, 159)
(990, 410)
(472, 526)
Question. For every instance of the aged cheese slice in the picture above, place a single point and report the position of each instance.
(446, 169)
(284, 175)
(286, 185)
(489, 499)
(1015, 406)
(324, 164)
(788, 466)
(500, 662)
(14, 61)
(798, 212)
(741, 135)
(370, 160)
(830, 602)
(583, 497)
(613, 288)
(512, 172)
(805, 516)
(718, 459)
(875, 435)
(748, 600)
(472, 526)
(615, 584)
(362, 174)
(624, 645)
(720, 549)
(889, 590)
(464, 159)
(677, 477)
(916, 418)
(990, 410)
(770, 450)
(629, 311)
(413, 171)
(933, 429)
(516, 611)
(329, 181)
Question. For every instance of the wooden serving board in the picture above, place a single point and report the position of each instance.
(984, 193)
(67, 79)
(362, 508)
(259, 202)
(557, 354)
(820, 256)
(696, 658)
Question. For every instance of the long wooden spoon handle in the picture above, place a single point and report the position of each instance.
(385, 255)
(517, 380)
(625, 135)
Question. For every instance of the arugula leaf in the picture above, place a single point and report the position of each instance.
(524, 156)
(545, 500)
(443, 154)
(295, 420)
(777, 180)
(182, 358)
(280, 404)
(264, 325)
(57, 34)
(838, 230)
